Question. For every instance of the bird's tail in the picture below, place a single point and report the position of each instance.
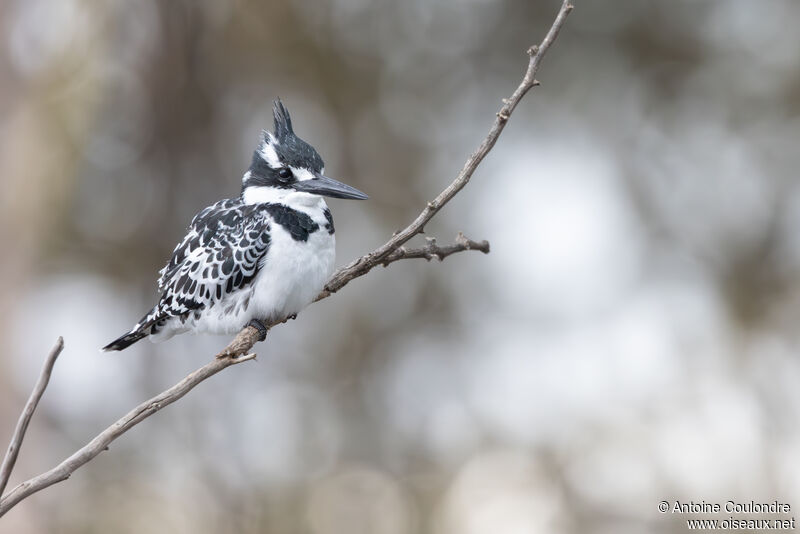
(141, 330)
(126, 340)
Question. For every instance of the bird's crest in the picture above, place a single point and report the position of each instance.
(283, 122)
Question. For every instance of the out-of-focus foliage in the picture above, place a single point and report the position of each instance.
(632, 337)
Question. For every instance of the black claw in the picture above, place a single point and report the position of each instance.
(262, 330)
(293, 316)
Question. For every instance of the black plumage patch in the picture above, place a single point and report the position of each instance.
(227, 266)
(329, 224)
(298, 224)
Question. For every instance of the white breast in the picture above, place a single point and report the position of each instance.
(294, 271)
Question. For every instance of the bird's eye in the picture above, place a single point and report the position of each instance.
(285, 174)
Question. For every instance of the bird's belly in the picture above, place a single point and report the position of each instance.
(293, 274)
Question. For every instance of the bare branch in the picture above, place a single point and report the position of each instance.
(100, 443)
(25, 418)
(242, 343)
(238, 349)
(433, 250)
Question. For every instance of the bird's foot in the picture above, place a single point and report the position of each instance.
(292, 316)
(262, 330)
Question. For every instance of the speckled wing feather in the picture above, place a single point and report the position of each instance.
(221, 253)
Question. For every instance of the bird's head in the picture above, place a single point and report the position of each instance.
(285, 167)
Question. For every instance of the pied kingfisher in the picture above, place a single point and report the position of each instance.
(262, 256)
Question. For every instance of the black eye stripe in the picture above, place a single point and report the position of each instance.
(292, 153)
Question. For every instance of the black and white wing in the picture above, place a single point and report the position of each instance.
(222, 252)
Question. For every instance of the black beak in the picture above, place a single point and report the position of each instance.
(328, 187)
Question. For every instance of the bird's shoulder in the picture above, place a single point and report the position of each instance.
(229, 213)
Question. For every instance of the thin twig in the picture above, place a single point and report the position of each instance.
(238, 350)
(25, 417)
(100, 443)
(433, 250)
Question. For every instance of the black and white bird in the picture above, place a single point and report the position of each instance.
(262, 256)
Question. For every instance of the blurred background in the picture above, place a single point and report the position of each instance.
(632, 336)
